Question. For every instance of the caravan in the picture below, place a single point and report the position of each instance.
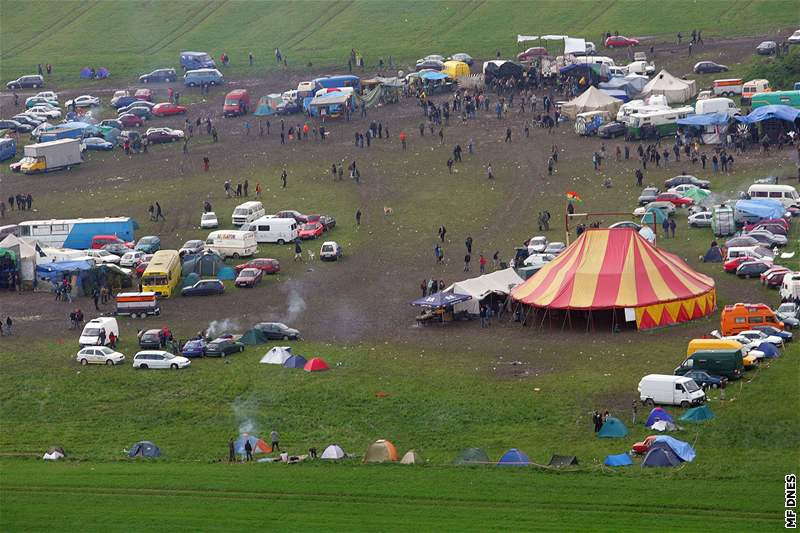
(232, 243)
(716, 105)
(271, 229)
(785, 194)
(654, 123)
(247, 212)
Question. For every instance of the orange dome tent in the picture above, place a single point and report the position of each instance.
(381, 451)
(610, 269)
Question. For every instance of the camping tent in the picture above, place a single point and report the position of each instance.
(713, 255)
(26, 255)
(333, 452)
(622, 459)
(54, 454)
(698, 414)
(472, 456)
(560, 461)
(514, 457)
(612, 428)
(768, 349)
(277, 355)
(658, 457)
(207, 263)
(257, 445)
(268, 105)
(144, 448)
(657, 414)
(410, 458)
(674, 89)
(295, 361)
(381, 451)
(253, 336)
(632, 84)
(654, 213)
(663, 425)
(697, 194)
(682, 449)
(455, 69)
(611, 269)
(592, 99)
(500, 282)
(316, 364)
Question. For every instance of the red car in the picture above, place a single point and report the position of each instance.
(618, 41)
(248, 277)
(141, 267)
(166, 108)
(267, 266)
(731, 265)
(312, 230)
(532, 53)
(774, 276)
(643, 446)
(675, 199)
(778, 221)
(129, 119)
(143, 94)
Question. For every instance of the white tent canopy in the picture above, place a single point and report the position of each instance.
(525, 38)
(572, 45)
(26, 253)
(277, 355)
(592, 99)
(333, 452)
(674, 89)
(500, 281)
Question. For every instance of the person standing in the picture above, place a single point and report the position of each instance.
(489, 172)
(358, 218)
(248, 450)
(298, 251)
(96, 299)
(284, 176)
(672, 226)
(274, 438)
(9, 324)
(665, 227)
(482, 263)
(159, 212)
(597, 420)
(231, 451)
(467, 259)
(250, 58)
(468, 244)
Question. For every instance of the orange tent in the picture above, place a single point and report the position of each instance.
(316, 365)
(608, 269)
(381, 451)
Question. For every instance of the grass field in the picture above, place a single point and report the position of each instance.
(134, 37)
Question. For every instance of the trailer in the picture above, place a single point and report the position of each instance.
(49, 156)
(137, 304)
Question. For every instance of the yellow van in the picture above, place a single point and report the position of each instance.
(163, 273)
(696, 345)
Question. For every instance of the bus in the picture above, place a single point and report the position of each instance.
(790, 98)
(163, 273)
(75, 233)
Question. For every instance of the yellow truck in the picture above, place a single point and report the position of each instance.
(49, 156)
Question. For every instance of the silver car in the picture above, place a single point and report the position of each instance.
(649, 194)
(700, 220)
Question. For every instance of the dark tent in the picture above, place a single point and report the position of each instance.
(472, 456)
(144, 448)
(560, 461)
(622, 459)
(189, 280)
(509, 69)
(713, 255)
(698, 414)
(769, 350)
(254, 336)
(660, 456)
(612, 428)
(205, 264)
(295, 361)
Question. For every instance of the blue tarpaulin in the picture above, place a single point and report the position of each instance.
(682, 449)
(617, 93)
(711, 119)
(780, 112)
(622, 459)
(761, 207)
(432, 75)
(441, 299)
(49, 270)
(657, 414)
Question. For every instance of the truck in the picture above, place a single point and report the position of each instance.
(137, 304)
(49, 156)
(237, 102)
(723, 362)
(728, 87)
(670, 390)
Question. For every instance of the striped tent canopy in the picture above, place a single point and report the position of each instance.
(607, 269)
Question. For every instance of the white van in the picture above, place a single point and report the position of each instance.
(756, 252)
(670, 390)
(716, 105)
(90, 336)
(642, 68)
(247, 212)
(786, 194)
(790, 288)
(232, 243)
(271, 229)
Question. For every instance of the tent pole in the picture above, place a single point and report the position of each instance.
(569, 315)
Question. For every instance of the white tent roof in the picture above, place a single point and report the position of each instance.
(592, 99)
(572, 45)
(410, 458)
(334, 451)
(500, 281)
(277, 355)
(674, 89)
(27, 255)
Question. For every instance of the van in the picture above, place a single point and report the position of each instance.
(696, 345)
(716, 105)
(670, 390)
(137, 304)
(90, 336)
(642, 68)
(742, 317)
(727, 363)
(785, 194)
(756, 252)
(236, 103)
(247, 212)
(729, 87)
(306, 89)
(752, 87)
(790, 288)
(279, 230)
(209, 76)
(196, 60)
(232, 243)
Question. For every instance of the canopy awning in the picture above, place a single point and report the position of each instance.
(769, 112)
(711, 119)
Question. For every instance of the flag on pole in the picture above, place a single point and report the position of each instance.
(574, 196)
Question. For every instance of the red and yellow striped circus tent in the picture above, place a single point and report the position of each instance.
(609, 269)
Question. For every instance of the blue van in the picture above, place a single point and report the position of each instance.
(196, 78)
(196, 60)
(8, 148)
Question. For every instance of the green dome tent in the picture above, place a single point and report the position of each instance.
(472, 456)
(613, 428)
(699, 414)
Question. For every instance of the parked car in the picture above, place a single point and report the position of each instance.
(626, 224)
(555, 248)
(430, 64)
(532, 53)
(150, 338)
(26, 82)
(767, 48)
(667, 207)
(96, 143)
(162, 135)
(330, 251)
(85, 100)
(159, 75)
(752, 268)
(768, 238)
(311, 230)
(143, 94)
(265, 265)
(328, 222)
(612, 129)
(159, 359)
(129, 120)
(15, 125)
(464, 58)
(140, 111)
(649, 194)
(119, 102)
(102, 256)
(709, 67)
(143, 104)
(204, 287)
(731, 265)
(788, 314)
(700, 220)
(194, 246)
(643, 446)
(99, 355)
(248, 277)
(165, 109)
(223, 347)
(777, 229)
(759, 336)
(131, 258)
(149, 244)
(194, 348)
(289, 213)
(111, 123)
(794, 38)
(537, 244)
(775, 270)
(706, 380)
(675, 199)
(141, 267)
(538, 259)
(209, 220)
(618, 41)
(46, 111)
(277, 331)
(773, 331)
(28, 120)
(684, 179)
(117, 248)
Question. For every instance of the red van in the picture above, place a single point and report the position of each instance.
(236, 103)
(98, 241)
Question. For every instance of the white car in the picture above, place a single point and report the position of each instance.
(760, 336)
(555, 248)
(131, 259)
(85, 100)
(44, 111)
(209, 220)
(683, 188)
(50, 95)
(99, 355)
(700, 220)
(538, 260)
(667, 207)
(103, 256)
(794, 38)
(159, 359)
(330, 251)
(537, 244)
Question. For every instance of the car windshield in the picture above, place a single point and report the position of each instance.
(327, 248)
(209, 216)
(150, 336)
(231, 101)
(106, 350)
(309, 227)
(91, 332)
(691, 386)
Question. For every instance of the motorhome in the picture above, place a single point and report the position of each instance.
(742, 317)
(277, 230)
(786, 194)
(232, 243)
(752, 87)
(646, 124)
(716, 105)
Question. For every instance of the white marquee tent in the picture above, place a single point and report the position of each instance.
(675, 90)
(500, 282)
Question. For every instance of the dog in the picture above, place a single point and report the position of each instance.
(387, 211)
(310, 256)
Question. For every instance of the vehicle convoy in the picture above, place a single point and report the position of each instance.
(49, 156)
